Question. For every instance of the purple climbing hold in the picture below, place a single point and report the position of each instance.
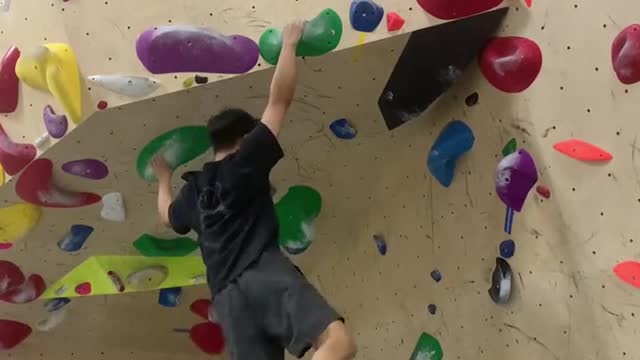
(432, 309)
(366, 15)
(381, 243)
(507, 248)
(515, 177)
(87, 168)
(436, 276)
(56, 124)
(171, 49)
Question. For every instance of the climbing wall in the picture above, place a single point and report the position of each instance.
(407, 238)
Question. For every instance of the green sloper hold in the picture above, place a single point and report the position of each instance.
(152, 246)
(296, 212)
(178, 146)
(320, 35)
(510, 148)
(427, 348)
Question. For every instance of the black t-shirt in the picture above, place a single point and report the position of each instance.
(229, 205)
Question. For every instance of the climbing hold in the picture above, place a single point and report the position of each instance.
(28, 291)
(76, 237)
(4, 7)
(201, 308)
(56, 304)
(14, 156)
(208, 337)
(543, 191)
(113, 207)
(515, 177)
(172, 49)
(6, 246)
(320, 35)
(365, 15)
(342, 129)
(129, 85)
(508, 220)
(500, 290)
(296, 212)
(1, 175)
(511, 64)
(456, 9)
(188, 82)
(381, 244)
(170, 297)
(11, 277)
(455, 139)
(529, 3)
(178, 147)
(16, 221)
(582, 150)
(629, 272)
(9, 80)
(117, 282)
(54, 67)
(436, 276)
(201, 79)
(56, 124)
(472, 99)
(152, 246)
(12, 333)
(102, 105)
(87, 168)
(510, 147)
(625, 54)
(35, 186)
(54, 319)
(507, 248)
(83, 289)
(427, 348)
(432, 309)
(42, 140)
(148, 278)
(395, 22)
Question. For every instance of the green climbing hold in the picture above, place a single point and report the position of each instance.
(427, 348)
(510, 148)
(296, 212)
(178, 147)
(320, 36)
(152, 246)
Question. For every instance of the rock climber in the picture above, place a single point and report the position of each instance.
(262, 300)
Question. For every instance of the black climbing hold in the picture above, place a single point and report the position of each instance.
(472, 99)
(432, 309)
(507, 248)
(500, 290)
(436, 276)
(201, 79)
(381, 243)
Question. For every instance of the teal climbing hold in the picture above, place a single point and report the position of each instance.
(454, 140)
(152, 246)
(296, 212)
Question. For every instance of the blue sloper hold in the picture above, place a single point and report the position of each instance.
(381, 243)
(366, 15)
(170, 297)
(76, 237)
(56, 304)
(454, 140)
(507, 248)
(342, 129)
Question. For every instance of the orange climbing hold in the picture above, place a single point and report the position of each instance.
(629, 272)
(395, 22)
(582, 150)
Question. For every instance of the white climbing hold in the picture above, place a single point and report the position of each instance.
(134, 86)
(113, 207)
(148, 278)
(42, 141)
(5, 5)
(55, 318)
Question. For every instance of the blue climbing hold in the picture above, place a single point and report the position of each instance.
(454, 140)
(56, 304)
(366, 15)
(342, 129)
(507, 248)
(170, 297)
(77, 236)
(381, 243)
(436, 276)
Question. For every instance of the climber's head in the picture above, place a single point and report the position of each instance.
(228, 128)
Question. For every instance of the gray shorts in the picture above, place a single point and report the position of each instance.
(269, 308)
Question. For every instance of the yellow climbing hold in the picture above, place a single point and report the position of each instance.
(1, 176)
(54, 67)
(188, 82)
(16, 221)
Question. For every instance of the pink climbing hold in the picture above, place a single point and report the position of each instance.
(543, 191)
(582, 150)
(14, 156)
(629, 272)
(625, 54)
(30, 290)
(395, 22)
(12, 333)
(6, 246)
(9, 81)
(529, 3)
(35, 186)
(208, 337)
(456, 9)
(84, 289)
(511, 64)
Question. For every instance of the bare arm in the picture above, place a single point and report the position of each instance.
(283, 84)
(165, 194)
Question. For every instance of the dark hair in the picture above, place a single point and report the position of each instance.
(229, 126)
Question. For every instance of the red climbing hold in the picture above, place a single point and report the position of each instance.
(395, 22)
(35, 186)
(208, 337)
(629, 272)
(28, 291)
(455, 9)
(13, 156)
(543, 191)
(201, 308)
(582, 150)
(625, 54)
(511, 64)
(84, 289)
(9, 81)
(102, 104)
(10, 276)
(12, 333)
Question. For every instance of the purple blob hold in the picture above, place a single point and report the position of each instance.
(87, 168)
(515, 177)
(171, 49)
(56, 124)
